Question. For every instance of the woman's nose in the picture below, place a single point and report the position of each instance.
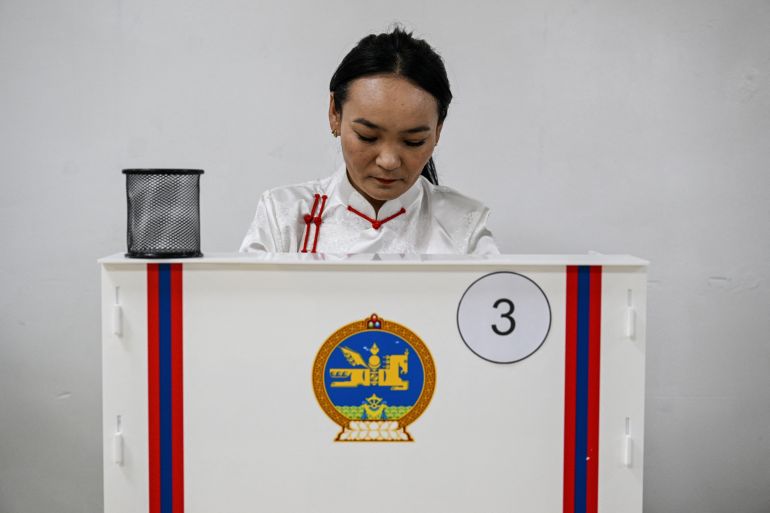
(388, 160)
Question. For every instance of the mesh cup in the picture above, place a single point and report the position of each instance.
(163, 213)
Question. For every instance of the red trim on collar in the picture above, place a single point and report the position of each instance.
(376, 224)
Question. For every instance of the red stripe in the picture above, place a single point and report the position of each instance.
(177, 390)
(594, 376)
(570, 379)
(153, 387)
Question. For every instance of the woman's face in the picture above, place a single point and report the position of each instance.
(388, 129)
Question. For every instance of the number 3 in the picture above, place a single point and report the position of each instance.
(506, 315)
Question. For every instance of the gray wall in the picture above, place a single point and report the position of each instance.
(637, 127)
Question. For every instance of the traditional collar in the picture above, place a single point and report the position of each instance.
(344, 195)
(348, 196)
(377, 223)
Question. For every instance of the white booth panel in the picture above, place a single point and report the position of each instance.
(252, 436)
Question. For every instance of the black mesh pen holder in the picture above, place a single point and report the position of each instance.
(163, 213)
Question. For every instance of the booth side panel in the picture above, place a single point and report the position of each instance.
(124, 382)
(621, 445)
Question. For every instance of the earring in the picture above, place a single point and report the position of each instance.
(335, 133)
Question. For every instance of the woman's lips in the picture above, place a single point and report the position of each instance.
(384, 181)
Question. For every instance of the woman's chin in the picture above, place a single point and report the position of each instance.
(383, 194)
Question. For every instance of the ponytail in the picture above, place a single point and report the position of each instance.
(429, 172)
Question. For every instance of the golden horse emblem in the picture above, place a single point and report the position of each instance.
(372, 373)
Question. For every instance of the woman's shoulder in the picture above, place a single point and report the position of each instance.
(298, 192)
(443, 196)
(463, 219)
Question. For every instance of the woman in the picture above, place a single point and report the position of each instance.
(388, 101)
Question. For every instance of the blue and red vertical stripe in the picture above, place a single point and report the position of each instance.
(165, 387)
(581, 389)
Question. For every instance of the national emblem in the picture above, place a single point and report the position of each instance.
(393, 384)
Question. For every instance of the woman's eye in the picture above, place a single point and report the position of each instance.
(366, 139)
(412, 144)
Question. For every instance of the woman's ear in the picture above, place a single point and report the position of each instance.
(334, 116)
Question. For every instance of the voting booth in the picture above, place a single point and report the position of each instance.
(373, 383)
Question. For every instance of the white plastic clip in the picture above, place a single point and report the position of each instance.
(631, 323)
(117, 445)
(628, 446)
(117, 315)
(630, 318)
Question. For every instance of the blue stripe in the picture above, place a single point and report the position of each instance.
(164, 361)
(581, 393)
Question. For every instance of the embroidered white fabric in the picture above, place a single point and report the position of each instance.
(438, 220)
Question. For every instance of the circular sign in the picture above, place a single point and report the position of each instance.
(504, 317)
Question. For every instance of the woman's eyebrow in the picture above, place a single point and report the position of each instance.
(416, 129)
(369, 124)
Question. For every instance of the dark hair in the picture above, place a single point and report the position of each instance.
(399, 53)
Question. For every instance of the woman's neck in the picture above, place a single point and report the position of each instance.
(375, 203)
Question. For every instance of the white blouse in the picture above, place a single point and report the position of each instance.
(330, 216)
